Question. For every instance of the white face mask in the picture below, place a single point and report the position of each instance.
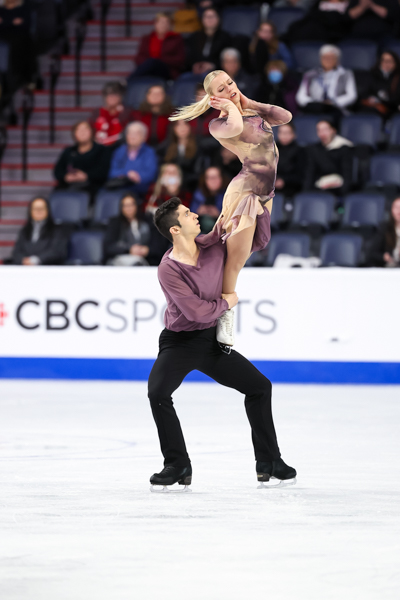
(170, 180)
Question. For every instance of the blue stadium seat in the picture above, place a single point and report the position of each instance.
(394, 131)
(394, 46)
(295, 244)
(183, 92)
(363, 209)
(306, 128)
(277, 215)
(240, 20)
(107, 205)
(313, 208)
(358, 54)
(362, 129)
(284, 17)
(306, 55)
(68, 206)
(385, 169)
(86, 248)
(340, 250)
(137, 89)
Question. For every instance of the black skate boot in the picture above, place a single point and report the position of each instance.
(170, 475)
(276, 469)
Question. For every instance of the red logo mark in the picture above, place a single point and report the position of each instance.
(3, 314)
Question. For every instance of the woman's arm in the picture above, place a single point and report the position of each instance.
(275, 115)
(234, 123)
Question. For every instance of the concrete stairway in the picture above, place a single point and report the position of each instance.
(121, 52)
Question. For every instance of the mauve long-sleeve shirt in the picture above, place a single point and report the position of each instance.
(193, 294)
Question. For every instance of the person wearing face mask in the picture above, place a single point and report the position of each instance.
(384, 250)
(169, 184)
(382, 94)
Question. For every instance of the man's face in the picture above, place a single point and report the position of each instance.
(190, 226)
(325, 132)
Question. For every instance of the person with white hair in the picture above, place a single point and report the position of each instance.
(134, 163)
(231, 63)
(329, 88)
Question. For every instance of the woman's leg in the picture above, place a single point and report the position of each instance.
(239, 250)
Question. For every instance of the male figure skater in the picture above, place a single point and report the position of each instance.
(191, 276)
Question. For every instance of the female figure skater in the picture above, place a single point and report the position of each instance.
(245, 128)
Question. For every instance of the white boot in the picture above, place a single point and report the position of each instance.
(225, 328)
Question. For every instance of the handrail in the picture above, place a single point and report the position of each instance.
(3, 145)
(128, 18)
(80, 33)
(28, 102)
(55, 69)
(105, 5)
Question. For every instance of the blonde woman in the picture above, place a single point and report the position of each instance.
(244, 127)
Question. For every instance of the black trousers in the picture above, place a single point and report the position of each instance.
(184, 351)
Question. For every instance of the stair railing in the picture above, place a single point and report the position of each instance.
(105, 5)
(80, 34)
(3, 144)
(55, 69)
(128, 18)
(28, 103)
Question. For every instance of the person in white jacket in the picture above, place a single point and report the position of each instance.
(329, 88)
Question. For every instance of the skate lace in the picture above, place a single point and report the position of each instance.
(168, 469)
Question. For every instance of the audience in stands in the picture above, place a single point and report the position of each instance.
(204, 47)
(266, 46)
(127, 239)
(382, 93)
(304, 4)
(15, 30)
(134, 163)
(161, 52)
(40, 242)
(385, 247)
(154, 112)
(83, 166)
(329, 88)
(326, 20)
(110, 120)
(168, 185)
(291, 163)
(207, 199)
(200, 125)
(373, 20)
(183, 151)
(232, 65)
(329, 163)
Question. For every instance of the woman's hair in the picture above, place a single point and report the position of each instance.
(49, 224)
(273, 44)
(160, 15)
(113, 87)
(197, 108)
(276, 64)
(390, 233)
(121, 215)
(396, 73)
(158, 186)
(78, 124)
(202, 182)
(167, 217)
(172, 149)
(166, 107)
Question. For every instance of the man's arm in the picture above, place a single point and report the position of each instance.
(192, 306)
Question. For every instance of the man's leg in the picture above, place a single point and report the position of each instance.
(235, 371)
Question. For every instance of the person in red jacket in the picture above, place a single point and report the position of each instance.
(154, 112)
(161, 52)
(109, 121)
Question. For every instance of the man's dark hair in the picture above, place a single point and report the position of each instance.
(167, 217)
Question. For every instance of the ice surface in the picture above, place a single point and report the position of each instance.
(78, 521)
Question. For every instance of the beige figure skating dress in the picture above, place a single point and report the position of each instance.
(256, 149)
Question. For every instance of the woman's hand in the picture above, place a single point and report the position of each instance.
(232, 299)
(223, 104)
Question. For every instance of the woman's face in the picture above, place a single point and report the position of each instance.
(39, 210)
(265, 32)
(210, 19)
(83, 134)
(224, 87)
(156, 95)
(213, 179)
(387, 63)
(171, 176)
(396, 210)
(286, 135)
(162, 25)
(182, 130)
(129, 208)
(329, 61)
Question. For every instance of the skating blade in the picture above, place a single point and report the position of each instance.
(162, 489)
(282, 483)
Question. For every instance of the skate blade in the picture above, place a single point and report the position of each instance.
(165, 489)
(281, 483)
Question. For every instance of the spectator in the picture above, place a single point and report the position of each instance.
(200, 125)
(279, 86)
(204, 47)
(304, 4)
(232, 65)
(169, 184)
(110, 120)
(85, 164)
(154, 112)
(385, 246)
(290, 166)
(40, 242)
(127, 239)
(207, 199)
(134, 164)
(329, 163)
(383, 91)
(183, 150)
(15, 30)
(326, 20)
(161, 52)
(375, 21)
(266, 46)
(328, 89)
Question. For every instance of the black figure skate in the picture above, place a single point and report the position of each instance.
(277, 470)
(170, 475)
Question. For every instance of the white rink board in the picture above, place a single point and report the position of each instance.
(323, 314)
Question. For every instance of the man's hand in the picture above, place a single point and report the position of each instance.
(232, 299)
(134, 176)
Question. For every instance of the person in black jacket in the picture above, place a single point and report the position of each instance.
(382, 92)
(40, 242)
(85, 165)
(204, 47)
(384, 250)
(290, 165)
(127, 238)
(329, 163)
